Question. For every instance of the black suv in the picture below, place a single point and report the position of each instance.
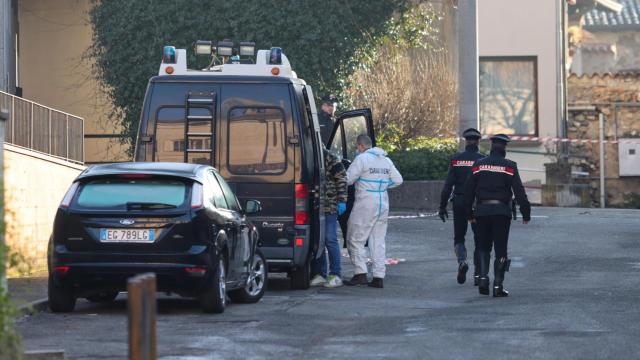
(179, 221)
(261, 132)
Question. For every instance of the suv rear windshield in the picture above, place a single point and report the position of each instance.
(133, 194)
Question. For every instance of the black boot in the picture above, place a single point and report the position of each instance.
(499, 267)
(483, 281)
(357, 279)
(462, 273)
(476, 268)
(376, 283)
(461, 254)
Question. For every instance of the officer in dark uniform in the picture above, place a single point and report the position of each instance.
(459, 171)
(325, 116)
(493, 183)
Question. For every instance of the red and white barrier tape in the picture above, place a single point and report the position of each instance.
(566, 140)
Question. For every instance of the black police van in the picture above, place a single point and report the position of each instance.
(249, 116)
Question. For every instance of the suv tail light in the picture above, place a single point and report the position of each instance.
(302, 202)
(197, 196)
(66, 200)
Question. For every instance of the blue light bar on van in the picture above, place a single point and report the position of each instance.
(275, 56)
(169, 55)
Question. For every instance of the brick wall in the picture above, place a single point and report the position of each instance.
(618, 97)
(34, 186)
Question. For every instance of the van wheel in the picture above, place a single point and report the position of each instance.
(103, 297)
(301, 277)
(257, 284)
(214, 298)
(61, 299)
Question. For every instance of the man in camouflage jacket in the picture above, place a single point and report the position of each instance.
(335, 204)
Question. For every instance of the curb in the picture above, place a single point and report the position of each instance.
(34, 307)
(44, 355)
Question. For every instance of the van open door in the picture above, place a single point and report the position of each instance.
(342, 141)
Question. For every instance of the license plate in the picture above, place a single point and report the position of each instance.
(127, 235)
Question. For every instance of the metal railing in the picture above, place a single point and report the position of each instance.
(43, 129)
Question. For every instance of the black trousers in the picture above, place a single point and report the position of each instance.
(344, 218)
(494, 230)
(461, 224)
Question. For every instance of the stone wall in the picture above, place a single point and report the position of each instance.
(34, 185)
(618, 97)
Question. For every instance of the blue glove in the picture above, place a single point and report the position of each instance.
(342, 208)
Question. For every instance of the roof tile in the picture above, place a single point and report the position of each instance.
(607, 20)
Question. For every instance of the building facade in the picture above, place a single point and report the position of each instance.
(521, 49)
(53, 39)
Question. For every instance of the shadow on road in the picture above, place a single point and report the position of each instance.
(169, 304)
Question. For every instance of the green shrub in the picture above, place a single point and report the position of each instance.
(632, 201)
(425, 159)
(10, 342)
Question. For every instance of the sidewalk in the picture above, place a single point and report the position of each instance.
(26, 292)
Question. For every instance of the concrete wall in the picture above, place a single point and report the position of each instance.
(54, 37)
(526, 28)
(416, 196)
(34, 186)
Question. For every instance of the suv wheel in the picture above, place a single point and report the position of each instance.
(214, 298)
(257, 283)
(301, 277)
(60, 298)
(103, 297)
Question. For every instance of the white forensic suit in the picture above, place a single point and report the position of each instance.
(373, 173)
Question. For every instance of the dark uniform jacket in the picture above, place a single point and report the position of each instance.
(326, 125)
(459, 172)
(335, 182)
(492, 185)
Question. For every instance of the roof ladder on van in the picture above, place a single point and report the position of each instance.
(199, 127)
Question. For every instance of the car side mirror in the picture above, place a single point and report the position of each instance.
(253, 207)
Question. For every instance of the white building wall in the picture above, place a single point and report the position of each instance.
(526, 28)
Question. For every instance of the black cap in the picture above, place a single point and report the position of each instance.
(330, 99)
(471, 133)
(501, 138)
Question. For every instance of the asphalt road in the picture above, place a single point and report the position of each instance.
(574, 285)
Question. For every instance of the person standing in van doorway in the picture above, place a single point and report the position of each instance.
(335, 204)
(326, 116)
(373, 173)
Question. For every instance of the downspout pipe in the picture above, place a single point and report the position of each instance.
(561, 76)
(602, 169)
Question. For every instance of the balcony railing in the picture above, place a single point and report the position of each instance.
(43, 129)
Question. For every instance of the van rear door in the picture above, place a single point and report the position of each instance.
(257, 160)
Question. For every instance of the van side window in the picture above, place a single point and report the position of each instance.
(232, 201)
(257, 141)
(353, 126)
(336, 144)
